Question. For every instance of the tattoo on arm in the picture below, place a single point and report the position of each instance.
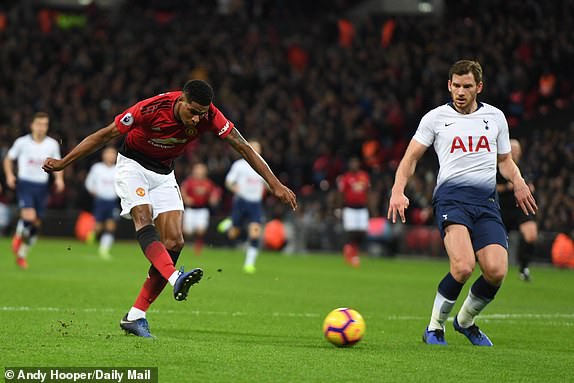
(236, 140)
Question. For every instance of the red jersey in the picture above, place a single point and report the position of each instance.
(155, 138)
(200, 191)
(355, 188)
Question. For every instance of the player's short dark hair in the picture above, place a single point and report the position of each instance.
(463, 67)
(198, 91)
(40, 115)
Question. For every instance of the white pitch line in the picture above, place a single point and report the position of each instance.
(491, 317)
(496, 316)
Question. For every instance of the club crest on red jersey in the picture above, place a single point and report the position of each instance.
(191, 131)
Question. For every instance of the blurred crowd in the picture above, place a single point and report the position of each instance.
(312, 83)
(549, 160)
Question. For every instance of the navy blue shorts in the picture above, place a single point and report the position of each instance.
(105, 209)
(246, 212)
(483, 222)
(33, 195)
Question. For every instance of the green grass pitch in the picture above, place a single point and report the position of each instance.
(65, 311)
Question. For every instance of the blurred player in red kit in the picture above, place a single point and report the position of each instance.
(157, 130)
(199, 193)
(354, 187)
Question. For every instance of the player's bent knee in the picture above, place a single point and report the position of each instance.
(175, 244)
(530, 236)
(28, 214)
(494, 269)
(110, 225)
(462, 273)
(254, 230)
(529, 231)
(233, 233)
(495, 275)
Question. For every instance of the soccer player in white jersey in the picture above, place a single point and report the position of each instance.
(31, 184)
(469, 137)
(100, 183)
(248, 188)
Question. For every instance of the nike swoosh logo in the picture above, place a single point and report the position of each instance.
(445, 124)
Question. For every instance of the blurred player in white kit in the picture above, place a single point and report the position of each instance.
(100, 183)
(31, 183)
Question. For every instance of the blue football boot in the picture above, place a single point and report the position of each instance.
(185, 281)
(138, 327)
(473, 334)
(434, 337)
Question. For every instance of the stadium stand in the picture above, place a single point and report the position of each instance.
(313, 92)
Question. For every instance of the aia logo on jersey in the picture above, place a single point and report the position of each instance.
(128, 119)
(468, 145)
(140, 192)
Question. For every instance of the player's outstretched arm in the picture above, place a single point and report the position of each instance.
(399, 201)
(286, 195)
(88, 145)
(522, 192)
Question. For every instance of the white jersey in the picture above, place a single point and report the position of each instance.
(30, 156)
(250, 184)
(101, 180)
(467, 146)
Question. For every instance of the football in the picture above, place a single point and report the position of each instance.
(344, 327)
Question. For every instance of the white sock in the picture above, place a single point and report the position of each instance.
(19, 228)
(106, 241)
(440, 312)
(471, 307)
(251, 256)
(23, 250)
(173, 278)
(32, 240)
(135, 314)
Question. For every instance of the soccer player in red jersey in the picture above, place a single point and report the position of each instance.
(199, 193)
(156, 131)
(354, 187)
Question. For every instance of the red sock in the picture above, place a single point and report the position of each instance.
(355, 249)
(198, 245)
(152, 287)
(348, 251)
(160, 259)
